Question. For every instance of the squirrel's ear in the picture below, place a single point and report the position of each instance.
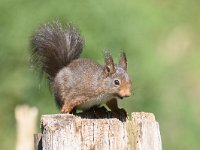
(110, 66)
(123, 60)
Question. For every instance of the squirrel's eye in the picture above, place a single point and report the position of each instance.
(116, 82)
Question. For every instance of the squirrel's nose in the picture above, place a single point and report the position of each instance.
(129, 94)
(125, 93)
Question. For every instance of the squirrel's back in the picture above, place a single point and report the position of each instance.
(54, 47)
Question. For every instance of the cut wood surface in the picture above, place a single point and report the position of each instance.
(70, 132)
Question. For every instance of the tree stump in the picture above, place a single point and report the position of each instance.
(72, 132)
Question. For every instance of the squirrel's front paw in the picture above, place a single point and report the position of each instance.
(120, 113)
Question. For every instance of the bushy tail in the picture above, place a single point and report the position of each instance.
(55, 46)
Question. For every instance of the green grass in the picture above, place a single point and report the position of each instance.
(161, 41)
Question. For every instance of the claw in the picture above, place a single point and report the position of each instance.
(120, 114)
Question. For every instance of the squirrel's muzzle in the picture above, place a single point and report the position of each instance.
(124, 93)
(125, 90)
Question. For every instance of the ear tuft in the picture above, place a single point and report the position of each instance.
(123, 60)
(109, 63)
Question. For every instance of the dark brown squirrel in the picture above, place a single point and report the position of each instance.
(78, 83)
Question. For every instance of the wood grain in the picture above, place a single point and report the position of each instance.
(70, 132)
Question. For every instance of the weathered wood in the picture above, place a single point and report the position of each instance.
(146, 131)
(26, 118)
(70, 132)
(38, 141)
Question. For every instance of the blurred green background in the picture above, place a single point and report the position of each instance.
(161, 41)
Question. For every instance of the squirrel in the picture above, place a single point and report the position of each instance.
(78, 83)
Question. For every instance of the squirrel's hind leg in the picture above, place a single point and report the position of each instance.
(69, 105)
(113, 106)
